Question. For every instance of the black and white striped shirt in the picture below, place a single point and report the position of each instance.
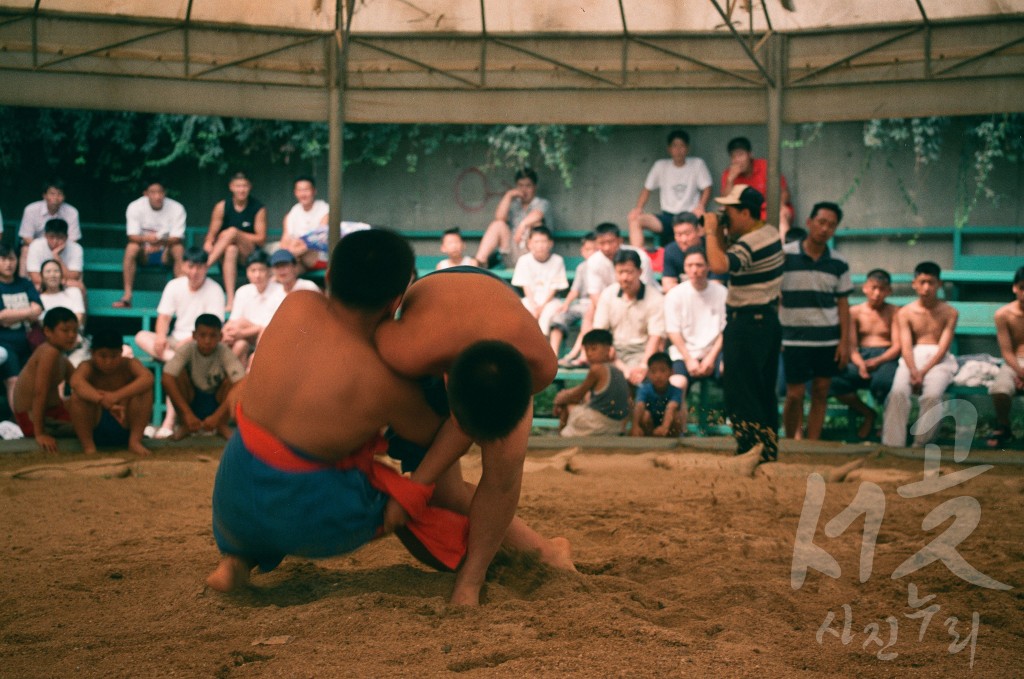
(810, 288)
(755, 268)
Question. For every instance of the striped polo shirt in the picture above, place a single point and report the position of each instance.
(810, 288)
(755, 268)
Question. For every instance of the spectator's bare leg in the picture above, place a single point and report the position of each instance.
(868, 415)
(556, 338)
(1002, 403)
(22, 261)
(146, 339)
(140, 411)
(636, 228)
(84, 418)
(793, 410)
(229, 269)
(10, 390)
(130, 265)
(819, 403)
(174, 256)
(498, 236)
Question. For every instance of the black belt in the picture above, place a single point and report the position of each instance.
(752, 310)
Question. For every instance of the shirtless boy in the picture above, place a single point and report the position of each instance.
(1010, 380)
(38, 407)
(925, 327)
(112, 397)
(874, 351)
(443, 315)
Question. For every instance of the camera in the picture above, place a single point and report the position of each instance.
(723, 219)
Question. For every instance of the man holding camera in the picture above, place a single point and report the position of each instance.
(752, 338)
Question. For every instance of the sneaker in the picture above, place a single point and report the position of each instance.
(149, 432)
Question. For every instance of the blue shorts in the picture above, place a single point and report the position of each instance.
(262, 514)
(203, 404)
(407, 452)
(109, 432)
(154, 258)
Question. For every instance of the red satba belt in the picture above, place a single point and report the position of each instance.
(441, 531)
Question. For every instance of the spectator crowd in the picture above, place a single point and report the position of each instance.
(725, 295)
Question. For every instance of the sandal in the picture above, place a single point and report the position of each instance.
(998, 438)
(123, 303)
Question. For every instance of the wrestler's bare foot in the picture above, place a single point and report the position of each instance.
(231, 573)
(867, 427)
(139, 449)
(745, 464)
(839, 474)
(557, 553)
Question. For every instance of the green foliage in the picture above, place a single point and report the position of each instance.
(986, 141)
(122, 147)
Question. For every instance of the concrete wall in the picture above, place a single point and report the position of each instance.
(447, 190)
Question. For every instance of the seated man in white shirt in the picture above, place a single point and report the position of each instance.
(55, 245)
(35, 216)
(255, 305)
(286, 273)
(694, 321)
(305, 227)
(184, 299)
(155, 225)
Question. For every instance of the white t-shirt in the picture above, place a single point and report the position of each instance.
(699, 316)
(301, 222)
(446, 262)
(305, 284)
(601, 271)
(539, 279)
(69, 298)
(185, 306)
(679, 188)
(306, 226)
(35, 216)
(39, 251)
(255, 307)
(206, 372)
(167, 222)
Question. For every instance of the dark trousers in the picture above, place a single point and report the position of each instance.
(750, 352)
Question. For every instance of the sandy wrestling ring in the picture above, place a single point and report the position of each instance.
(685, 570)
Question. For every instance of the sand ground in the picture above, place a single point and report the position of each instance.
(684, 571)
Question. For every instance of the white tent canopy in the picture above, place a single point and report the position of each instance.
(465, 61)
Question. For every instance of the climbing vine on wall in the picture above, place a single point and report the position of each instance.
(122, 147)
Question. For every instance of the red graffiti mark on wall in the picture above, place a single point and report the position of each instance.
(472, 191)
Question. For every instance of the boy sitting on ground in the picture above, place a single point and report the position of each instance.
(926, 327)
(38, 407)
(659, 404)
(112, 397)
(874, 350)
(598, 406)
(200, 380)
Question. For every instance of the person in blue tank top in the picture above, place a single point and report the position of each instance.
(238, 226)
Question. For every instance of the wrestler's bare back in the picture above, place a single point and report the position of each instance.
(25, 387)
(442, 314)
(318, 384)
(873, 326)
